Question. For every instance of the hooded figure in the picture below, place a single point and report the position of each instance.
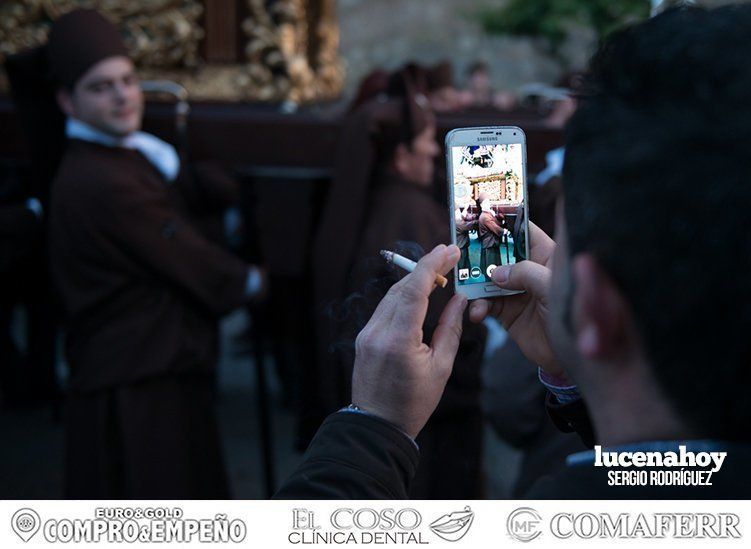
(381, 199)
(441, 92)
(141, 287)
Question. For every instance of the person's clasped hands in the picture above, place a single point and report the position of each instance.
(400, 378)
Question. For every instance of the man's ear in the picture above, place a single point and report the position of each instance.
(64, 101)
(602, 317)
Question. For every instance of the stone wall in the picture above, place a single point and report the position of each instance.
(386, 33)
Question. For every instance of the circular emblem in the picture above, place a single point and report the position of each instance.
(524, 524)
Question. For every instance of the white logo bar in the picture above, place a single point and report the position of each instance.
(275, 524)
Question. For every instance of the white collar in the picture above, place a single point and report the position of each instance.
(161, 154)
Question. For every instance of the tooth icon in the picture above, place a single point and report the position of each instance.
(25, 523)
(454, 526)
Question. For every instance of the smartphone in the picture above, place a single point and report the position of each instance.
(487, 187)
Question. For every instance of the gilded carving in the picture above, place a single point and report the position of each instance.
(291, 52)
(288, 58)
(159, 33)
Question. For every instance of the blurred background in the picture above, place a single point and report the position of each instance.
(262, 87)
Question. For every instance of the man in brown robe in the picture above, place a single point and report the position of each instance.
(464, 222)
(392, 173)
(141, 286)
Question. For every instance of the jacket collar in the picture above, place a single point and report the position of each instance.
(160, 154)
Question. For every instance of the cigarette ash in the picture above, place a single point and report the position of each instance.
(350, 315)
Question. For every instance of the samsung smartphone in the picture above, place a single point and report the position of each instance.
(487, 170)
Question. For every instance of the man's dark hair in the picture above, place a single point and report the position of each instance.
(657, 185)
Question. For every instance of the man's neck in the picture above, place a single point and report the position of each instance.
(636, 411)
(81, 130)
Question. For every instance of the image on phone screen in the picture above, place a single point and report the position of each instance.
(489, 212)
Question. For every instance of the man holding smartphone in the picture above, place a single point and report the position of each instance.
(645, 334)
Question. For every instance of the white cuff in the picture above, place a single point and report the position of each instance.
(253, 282)
(36, 207)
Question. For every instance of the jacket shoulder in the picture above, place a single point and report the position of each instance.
(354, 456)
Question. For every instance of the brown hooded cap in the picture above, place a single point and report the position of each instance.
(410, 78)
(371, 86)
(79, 40)
(399, 120)
(404, 116)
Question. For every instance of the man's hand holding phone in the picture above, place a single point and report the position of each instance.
(401, 379)
(524, 315)
(396, 376)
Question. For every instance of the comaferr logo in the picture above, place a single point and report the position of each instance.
(645, 526)
(524, 524)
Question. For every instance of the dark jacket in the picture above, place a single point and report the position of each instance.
(354, 456)
(511, 389)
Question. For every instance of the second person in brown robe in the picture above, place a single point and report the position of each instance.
(396, 211)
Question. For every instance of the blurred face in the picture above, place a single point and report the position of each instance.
(108, 97)
(415, 163)
(480, 82)
(562, 111)
(445, 99)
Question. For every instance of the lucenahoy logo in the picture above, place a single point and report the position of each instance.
(454, 526)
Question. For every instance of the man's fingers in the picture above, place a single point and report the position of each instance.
(541, 246)
(414, 289)
(441, 258)
(526, 275)
(478, 310)
(447, 334)
(481, 308)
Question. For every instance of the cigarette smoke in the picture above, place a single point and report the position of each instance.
(350, 315)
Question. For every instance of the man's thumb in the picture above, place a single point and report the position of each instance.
(526, 275)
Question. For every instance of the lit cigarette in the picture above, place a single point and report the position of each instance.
(409, 265)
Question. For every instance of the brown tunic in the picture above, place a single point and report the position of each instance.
(142, 290)
(141, 287)
(463, 228)
(489, 230)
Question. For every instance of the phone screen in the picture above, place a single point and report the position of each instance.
(489, 209)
